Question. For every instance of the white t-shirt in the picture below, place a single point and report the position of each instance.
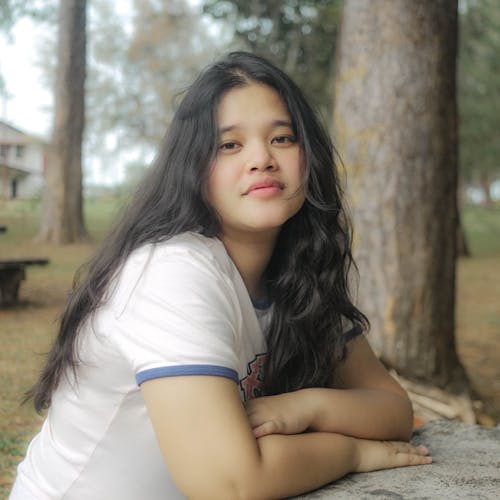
(176, 308)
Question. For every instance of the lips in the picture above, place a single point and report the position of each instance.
(264, 183)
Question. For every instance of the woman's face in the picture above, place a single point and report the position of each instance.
(255, 183)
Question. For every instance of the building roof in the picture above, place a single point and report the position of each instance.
(13, 135)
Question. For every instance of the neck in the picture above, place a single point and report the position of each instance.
(251, 253)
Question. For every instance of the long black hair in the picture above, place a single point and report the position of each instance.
(307, 276)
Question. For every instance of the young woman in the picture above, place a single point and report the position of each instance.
(212, 349)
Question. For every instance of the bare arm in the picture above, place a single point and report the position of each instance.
(365, 402)
(379, 407)
(209, 448)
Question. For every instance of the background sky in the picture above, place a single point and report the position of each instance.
(30, 102)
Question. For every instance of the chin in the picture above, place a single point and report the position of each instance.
(268, 225)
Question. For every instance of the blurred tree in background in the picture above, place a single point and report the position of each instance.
(298, 36)
(479, 93)
(137, 69)
(62, 199)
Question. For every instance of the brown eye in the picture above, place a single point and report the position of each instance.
(284, 139)
(228, 146)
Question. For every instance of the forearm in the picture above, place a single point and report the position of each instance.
(293, 464)
(297, 463)
(362, 413)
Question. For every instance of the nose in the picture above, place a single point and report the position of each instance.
(260, 158)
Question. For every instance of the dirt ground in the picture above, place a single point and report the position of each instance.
(478, 328)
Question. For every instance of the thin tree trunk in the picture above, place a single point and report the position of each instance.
(462, 244)
(62, 204)
(463, 249)
(395, 127)
(485, 183)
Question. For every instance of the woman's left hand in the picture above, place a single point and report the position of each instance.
(288, 413)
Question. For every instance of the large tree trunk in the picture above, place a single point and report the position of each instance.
(395, 127)
(62, 210)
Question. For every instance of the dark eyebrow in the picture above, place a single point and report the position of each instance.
(282, 123)
(275, 123)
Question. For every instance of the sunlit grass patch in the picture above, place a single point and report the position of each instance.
(482, 227)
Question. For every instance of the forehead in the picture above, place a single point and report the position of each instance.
(251, 104)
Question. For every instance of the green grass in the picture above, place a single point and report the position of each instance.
(482, 228)
(100, 213)
(11, 445)
(22, 218)
(482, 225)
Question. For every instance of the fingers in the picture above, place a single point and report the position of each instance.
(265, 429)
(376, 455)
(422, 450)
(408, 454)
(404, 447)
(257, 421)
(263, 419)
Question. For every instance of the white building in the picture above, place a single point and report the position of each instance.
(23, 161)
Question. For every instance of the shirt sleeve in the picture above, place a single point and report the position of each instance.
(356, 330)
(174, 315)
(350, 329)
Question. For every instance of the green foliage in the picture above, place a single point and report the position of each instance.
(12, 10)
(136, 68)
(297, 36)
(479, 88)
(3, 87)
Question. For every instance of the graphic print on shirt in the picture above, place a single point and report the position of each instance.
(251, 385)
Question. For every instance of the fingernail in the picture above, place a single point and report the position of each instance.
(428, 460)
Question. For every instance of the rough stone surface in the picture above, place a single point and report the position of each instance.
(466, 464)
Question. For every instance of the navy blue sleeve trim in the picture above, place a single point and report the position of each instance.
(262, 304)
(353, 332)
(182, 370)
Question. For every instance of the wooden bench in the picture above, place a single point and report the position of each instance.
(12, 272)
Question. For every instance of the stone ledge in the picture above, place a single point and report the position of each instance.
(466, 464)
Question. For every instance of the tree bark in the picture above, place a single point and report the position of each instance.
(395, 126)
(62, 203)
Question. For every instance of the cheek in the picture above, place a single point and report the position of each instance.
(298, 170)
(211, 188)
(217, 187)
(301, 198)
